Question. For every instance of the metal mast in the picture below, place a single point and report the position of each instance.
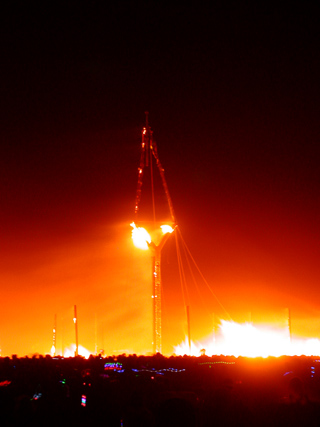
(54, 338)
(149, 150)
(75, 320)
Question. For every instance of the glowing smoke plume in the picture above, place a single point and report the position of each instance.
(246, 340)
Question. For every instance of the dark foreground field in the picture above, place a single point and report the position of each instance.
(158, 391)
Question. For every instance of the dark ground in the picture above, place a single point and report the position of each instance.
(159, 391)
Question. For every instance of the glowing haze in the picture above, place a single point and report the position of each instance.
(235, 339)
(233, 96)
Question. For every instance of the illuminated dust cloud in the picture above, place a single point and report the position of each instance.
(247, 340)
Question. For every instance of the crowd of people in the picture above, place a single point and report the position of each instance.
(159, 391)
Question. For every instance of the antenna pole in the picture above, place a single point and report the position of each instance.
(54, 340)
(289, 324)
(189, 329)
(148, 152)
(76, 330)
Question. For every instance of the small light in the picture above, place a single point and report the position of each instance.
(83, 400)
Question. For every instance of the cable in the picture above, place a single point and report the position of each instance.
(202, 276)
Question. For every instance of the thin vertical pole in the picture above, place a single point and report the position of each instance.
(62, 336)
(289, 324)
(54, 344)
(96, 333)
(76, 330)
(189, 330)
(156, 279)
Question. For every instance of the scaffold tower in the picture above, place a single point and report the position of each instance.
(149, 155)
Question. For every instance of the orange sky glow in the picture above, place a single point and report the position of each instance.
(233, 96)
(109, 280)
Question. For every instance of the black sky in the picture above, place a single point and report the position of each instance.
(241, 81)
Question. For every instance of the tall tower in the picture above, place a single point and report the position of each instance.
(54, 337)
(149, 156)
(75, 320)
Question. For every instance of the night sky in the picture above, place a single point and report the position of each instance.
(233, 96)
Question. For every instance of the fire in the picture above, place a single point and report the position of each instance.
(53, 351)
(70, 351)
(140, 237)
(166, 229)
(245, 339)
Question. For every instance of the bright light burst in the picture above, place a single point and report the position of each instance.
(70, 351)
(246, 340)
(53, 351)
(140, 237)
(166, 229)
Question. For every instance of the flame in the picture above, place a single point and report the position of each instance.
(166, 229)
(70, 351)
(244, 339)
(140, 237)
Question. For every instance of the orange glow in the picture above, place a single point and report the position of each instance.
(232, 159)
(101, 271)
(140, 237)
(247, 340)
(110, 280)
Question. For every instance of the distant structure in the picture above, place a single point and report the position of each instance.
(75, 320)
(149, 154)
(189, 329)
(54, 338)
